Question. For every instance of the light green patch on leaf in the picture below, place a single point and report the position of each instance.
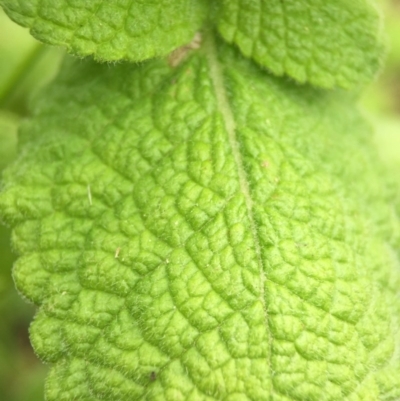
(327, 43)
(205, 232)
(111, 30)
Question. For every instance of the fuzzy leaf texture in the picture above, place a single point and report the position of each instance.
(205, 232)
(327, 43)
(111, 30)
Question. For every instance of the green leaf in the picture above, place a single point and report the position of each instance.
(21, 374)
(327, 43)
(204, 232)
(111, 30)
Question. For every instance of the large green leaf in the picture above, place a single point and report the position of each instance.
(111, 30)
(205, 232)
(21, 375)
(325, 42)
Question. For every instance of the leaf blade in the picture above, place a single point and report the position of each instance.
(111, 31)
(325, 43)
(150, 288)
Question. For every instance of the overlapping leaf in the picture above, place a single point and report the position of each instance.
(325, 42)
(111, 30)
(203, 233)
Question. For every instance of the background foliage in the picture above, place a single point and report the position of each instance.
(26, 65)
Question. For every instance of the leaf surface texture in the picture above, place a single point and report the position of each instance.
(188, 236)
(328, 43)
(111, 30)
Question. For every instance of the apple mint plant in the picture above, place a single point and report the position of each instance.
(198, 207)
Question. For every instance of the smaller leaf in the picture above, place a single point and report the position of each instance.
(327, 43)
(111, 30)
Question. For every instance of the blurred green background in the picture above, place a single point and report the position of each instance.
(25, 66)
(381, 101)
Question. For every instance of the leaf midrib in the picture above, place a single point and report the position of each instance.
(224, 107)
